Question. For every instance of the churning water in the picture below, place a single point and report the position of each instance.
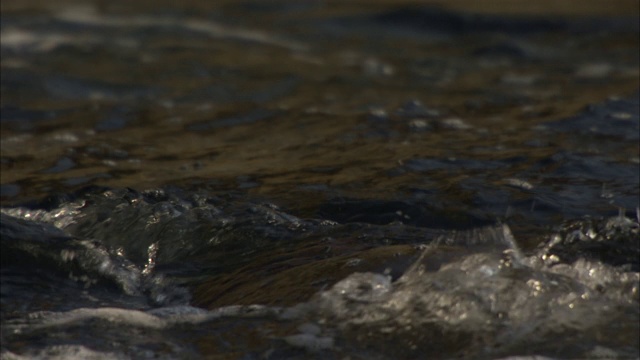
(287, 180)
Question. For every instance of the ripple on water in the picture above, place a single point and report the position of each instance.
(474, 291)
(408, 129)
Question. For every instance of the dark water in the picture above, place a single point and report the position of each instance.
(293, 180)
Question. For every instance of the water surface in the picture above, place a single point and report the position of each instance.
(310, 180)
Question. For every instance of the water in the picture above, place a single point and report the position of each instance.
(284, 181)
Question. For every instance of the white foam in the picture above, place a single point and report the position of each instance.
(38, 41)
(89, 16)
(114, 315)
(75, 352)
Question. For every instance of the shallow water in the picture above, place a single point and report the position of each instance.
(305, 180)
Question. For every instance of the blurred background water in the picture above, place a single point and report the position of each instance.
(320, 179)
